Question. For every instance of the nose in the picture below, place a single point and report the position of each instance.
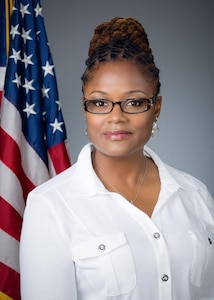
(117, 115)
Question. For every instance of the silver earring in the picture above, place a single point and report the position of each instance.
(86, 133)
(155, 128)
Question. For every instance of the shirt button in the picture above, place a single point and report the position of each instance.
(156, 235)
(165, 277)
(210, 241)
(102, 247)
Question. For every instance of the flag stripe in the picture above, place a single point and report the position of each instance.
(9, 250)
(59, 157)
(9, 284)
(2, 75)
(13, 160)
(9, 213)
(12, 192)
(28, 153)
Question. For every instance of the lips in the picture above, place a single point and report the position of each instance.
(117, 135)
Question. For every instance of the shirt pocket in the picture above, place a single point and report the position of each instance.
(203, 256)
(107, 263)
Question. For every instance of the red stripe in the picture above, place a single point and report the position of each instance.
(9, 282)
(59, 157)
(10, 221)
(12, 159)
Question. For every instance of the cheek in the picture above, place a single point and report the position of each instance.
(144, 124)
(93, 124)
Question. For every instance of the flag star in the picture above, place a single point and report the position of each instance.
(45, 92)
(26, 35)
(38, 10)
(59, 104)
(28, 85)
(16, 55)
(27, 60)
(48, 69)
(37, 35)
(14, 31)
(24, 10)
(57, 125)
(29, 109)
(17, 80)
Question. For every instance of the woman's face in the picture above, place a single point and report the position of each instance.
(118, 133)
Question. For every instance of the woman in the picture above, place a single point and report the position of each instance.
(120, 223)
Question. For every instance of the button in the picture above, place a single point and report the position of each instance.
(102, 247)
(156, 235)
(210, 241)
(165, 277)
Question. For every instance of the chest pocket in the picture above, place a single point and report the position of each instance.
(107, 264)
(203, 256)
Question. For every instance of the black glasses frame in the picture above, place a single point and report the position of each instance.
(150, 103)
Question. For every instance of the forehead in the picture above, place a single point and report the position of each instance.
(120, 76)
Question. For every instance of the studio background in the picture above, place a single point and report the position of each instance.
(182, 39)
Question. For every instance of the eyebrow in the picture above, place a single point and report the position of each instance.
(126, 93)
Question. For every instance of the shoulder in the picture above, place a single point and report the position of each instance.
(173, 176)
(58, 182)
(69, 178)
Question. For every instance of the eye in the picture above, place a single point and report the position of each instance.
(136, 102)
(99, 102)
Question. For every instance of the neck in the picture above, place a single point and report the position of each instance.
(127, 184)
(126, 169)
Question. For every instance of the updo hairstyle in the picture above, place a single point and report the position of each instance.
(121, 39)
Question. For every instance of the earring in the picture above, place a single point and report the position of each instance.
(155, 128)
(86, 133)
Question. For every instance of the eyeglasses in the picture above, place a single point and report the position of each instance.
(129, 106)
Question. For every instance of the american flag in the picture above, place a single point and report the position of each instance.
(32, 132)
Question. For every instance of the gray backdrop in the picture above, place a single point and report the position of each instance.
(182, 39)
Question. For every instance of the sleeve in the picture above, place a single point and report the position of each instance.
(46, 266)
(210, 203)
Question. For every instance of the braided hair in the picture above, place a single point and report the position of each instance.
(121, 39)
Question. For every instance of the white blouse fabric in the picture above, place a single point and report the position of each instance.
(81, 242)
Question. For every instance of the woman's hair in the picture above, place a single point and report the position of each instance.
(121, 39)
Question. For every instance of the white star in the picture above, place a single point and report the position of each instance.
(38, 10)
(14, 31)
(16, 55)
(26, 35)
(56, 125)
(48, 69)
(27, 60)
(45, 92)
(29, 109)
(59, 104)
(24, 10)
(28, 85)
(17, 80)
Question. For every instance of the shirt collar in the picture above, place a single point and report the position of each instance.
(85, 173)
(170, 178)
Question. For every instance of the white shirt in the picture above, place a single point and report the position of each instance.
(80, 241)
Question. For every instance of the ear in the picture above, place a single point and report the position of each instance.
(158, 104)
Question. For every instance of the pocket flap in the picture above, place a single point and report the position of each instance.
(98, 246)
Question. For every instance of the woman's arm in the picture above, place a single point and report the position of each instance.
(46, 266)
